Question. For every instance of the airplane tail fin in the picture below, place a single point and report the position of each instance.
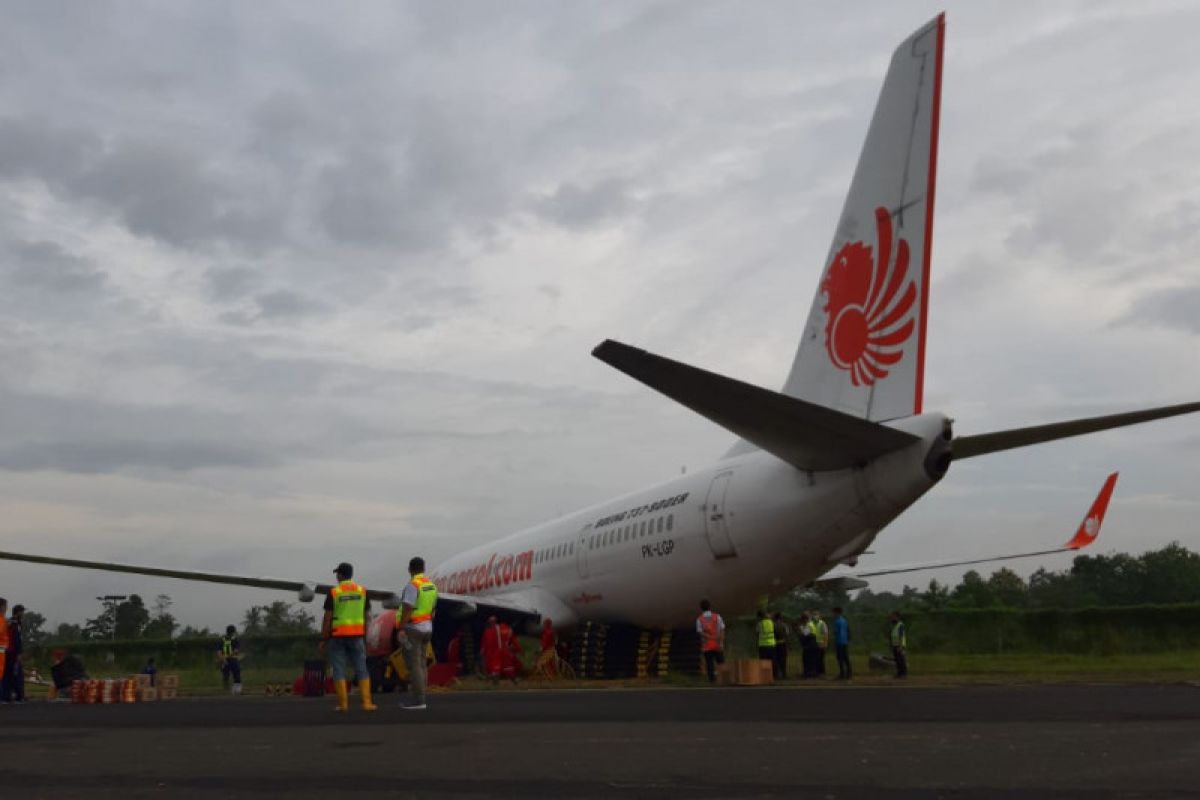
(863, 347)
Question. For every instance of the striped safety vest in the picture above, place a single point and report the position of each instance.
(426, 601)
(349, 609)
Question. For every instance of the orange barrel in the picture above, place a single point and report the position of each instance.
(109, 691)
(129, 691)
(92, 693)
(78, 691)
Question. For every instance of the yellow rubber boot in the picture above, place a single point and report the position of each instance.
(364, 688)
(343, 695)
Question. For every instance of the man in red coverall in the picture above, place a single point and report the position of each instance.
(492, 648)
(549, 645)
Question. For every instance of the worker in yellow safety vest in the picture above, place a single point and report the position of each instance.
(414, 629)
(342, 629)
(898, 637)
(766, 637)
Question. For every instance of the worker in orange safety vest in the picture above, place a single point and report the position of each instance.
(342, 628)
(711, 629)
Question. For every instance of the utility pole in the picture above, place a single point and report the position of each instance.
(111, 600)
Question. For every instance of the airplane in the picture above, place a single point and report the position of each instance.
(819, 468)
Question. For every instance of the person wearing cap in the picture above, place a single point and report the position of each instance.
(342, 631)
(229, 657)
(414, 629)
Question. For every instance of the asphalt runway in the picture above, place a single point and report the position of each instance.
(1135, 741)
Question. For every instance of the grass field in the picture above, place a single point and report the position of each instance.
(933, 669)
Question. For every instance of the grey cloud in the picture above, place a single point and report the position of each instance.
(231, 283)
(162, 191)
(285, 304)
(112, 456)
(1175, 307)
(156, 189)
(47, 266)
(574, 206)
(35, 148)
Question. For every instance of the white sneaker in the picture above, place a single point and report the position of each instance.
(415, 707)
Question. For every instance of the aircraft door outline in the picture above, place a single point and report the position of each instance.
(716, 517)
(581, 551)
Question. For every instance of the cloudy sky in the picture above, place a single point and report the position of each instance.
(282, 285)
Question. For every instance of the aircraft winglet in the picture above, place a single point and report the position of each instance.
(1089, 529)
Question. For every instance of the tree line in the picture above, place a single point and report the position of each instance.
(131, 619)
(1168, 575)
(1165, 576)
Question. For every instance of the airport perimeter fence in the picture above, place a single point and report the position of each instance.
(129, 655)
(1092, 631)
(1095, 631)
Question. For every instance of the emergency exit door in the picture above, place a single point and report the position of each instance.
(581, 550)
(716, 518)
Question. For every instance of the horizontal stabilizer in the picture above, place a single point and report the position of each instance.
(839, 583)
(981, 444)
(803, 434)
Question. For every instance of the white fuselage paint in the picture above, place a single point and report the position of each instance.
(774, 528)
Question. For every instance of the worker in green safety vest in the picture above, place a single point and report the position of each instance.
(766, 637)
(414, 629)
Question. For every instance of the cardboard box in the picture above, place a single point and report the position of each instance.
(144, 681)
(747, 672)
(167, 694)
(168, 682)
(768, 672)
(147, 694)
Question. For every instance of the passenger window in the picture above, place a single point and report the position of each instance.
(670, 521)
(643, 528)
(571, 549)
(592, 542)
(660, 524)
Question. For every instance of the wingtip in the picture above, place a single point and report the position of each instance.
(1089, 528)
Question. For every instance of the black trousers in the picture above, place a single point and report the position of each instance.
(808, 655)
(843, 659)
(231, 667)
(901, 658)
(780, 660)
(12, 685)
(711, 659)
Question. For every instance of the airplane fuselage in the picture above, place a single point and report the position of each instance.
(743, 529)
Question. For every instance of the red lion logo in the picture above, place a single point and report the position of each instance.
(869, 317)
